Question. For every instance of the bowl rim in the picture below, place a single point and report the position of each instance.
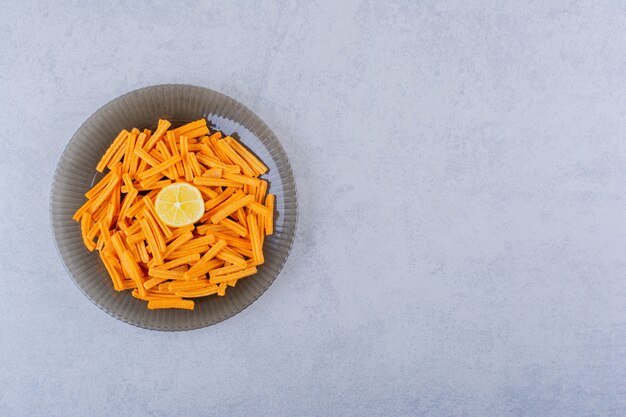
(201, 324)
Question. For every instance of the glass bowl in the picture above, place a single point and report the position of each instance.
(75, 174)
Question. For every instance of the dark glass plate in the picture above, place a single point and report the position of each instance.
(76, 173)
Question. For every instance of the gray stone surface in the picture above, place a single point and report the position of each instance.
(461, 173)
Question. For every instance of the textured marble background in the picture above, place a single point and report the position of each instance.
(461, 168)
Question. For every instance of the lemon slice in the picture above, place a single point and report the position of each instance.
(179, 204)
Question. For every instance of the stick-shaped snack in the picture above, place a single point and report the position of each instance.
(213, 173)
(132, 268)
(261, 190)
(260, 209)
(237, 195)
(143, 252)
(247, 156)
(215, 136)
(149, 186)
(145, 156)
(185, 260)
(151, 182)
(119, 154)
(187, 285)
(243, 179)
(269, 220)
(93, 231)
(200, 292)
(201, 131)
(161, 129)
(206, 192)
(178, 242)
(147, 231)
(189, 127)
(117, 143)
(235, 227)
(234, 241)
(154, 296)
(241, 218)
(198, 269)
(197, 169)
(105, 234)
(214, 163)
(232, 257)
(107, 191)
(186, 252)
(208, 205)
(118, 244)
(210, 228)
(199, 242)
(128, 284)
(213, 140)
(114, 272)
(153, 282)
(243, 252)
(170, 172)
(82, 210)
(85, 226)
(216, 182)
(157, 155)
(173, 303)
(96, 189)
(165, 273)
(206, 150)
(156, 231)
(184, 153)
(135, 209)
(227, 209)
(116, 198)
(225, 270)
(134, 159)
(159, 168)
(135, 252)
(167, 231)
(129, 199)
(235, 275)
(208, 266)
(233, 156)
(255, 237)
(174, 149)
(179, 231)
(128, 153)
(110, 213)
